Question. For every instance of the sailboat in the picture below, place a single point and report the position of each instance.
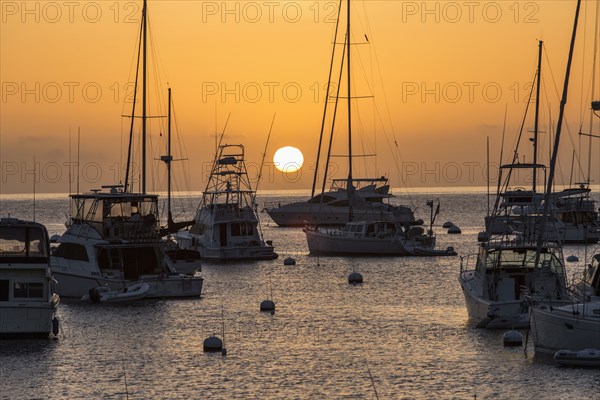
(362, 235)
(185, 261)
(113, 240)
(510, 268)
(371, 202)
(572, 213)
(226, 227)
(575, 326)
(572, 330)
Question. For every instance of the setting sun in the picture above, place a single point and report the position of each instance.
(288, 159)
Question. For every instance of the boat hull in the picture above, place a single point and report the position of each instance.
(28, 319)
(170, 286)
(225, 253)
(299, 214)
(489, 314)
(330, 244)
(553, 329)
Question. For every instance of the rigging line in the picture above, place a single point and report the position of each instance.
(262, 162)
(389, 116)
(566, 123)
(516, 151)
(326, 104)
(499, 183)
(593, 85)
(335, 108)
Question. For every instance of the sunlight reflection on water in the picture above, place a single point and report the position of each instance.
(407, 323)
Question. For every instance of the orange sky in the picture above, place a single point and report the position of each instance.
(448, 70)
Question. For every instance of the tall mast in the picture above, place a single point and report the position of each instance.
(144, 62)
(561, 113)
(169, 159)
(349, 185)
(593, 84)
(537, 113)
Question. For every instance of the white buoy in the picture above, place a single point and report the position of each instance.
(355, 278)
(213, 344)
(289, 261)
(454, 230)
(267, 305)
(512, 338)
(572, 258)
(447, 225)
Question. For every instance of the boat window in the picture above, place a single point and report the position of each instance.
(148, 206)
(37, 243)
(120, 209)
(325, 199)
(71, 251)
(23, 242)
(198, 229)
(13, 241)
(76, 209)
(340, 203)
(3, 290)
(28, 290)
(242, 229)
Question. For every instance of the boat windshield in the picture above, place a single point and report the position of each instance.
(522, 258)
(23, 241)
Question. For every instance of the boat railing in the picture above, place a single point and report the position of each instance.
(518, 241)
(465, 261)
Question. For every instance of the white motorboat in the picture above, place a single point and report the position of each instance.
(113, 241)
(575, 326)
(577, 211)
(372, 238)
(27, 300)
(505, 272)
(226, 226)
(331, 207)
(510, 271)
(103, 294)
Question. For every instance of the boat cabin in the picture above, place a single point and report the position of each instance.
(372, 228)
(27, 299)
(117, 215)
(510, 269)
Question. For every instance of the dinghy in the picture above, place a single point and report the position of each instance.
(104, 294)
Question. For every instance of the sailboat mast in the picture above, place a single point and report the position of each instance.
(169, 158)
(144, 81)
(349, 185)
(561, 113)
(537, 113)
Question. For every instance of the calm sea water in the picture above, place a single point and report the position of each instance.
(403, 334)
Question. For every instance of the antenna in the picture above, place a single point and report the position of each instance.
(70, 160)
(78, 149)
(34, 178)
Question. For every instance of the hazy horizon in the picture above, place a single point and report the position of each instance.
(441, 75)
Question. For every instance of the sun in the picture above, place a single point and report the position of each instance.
(288, 159)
